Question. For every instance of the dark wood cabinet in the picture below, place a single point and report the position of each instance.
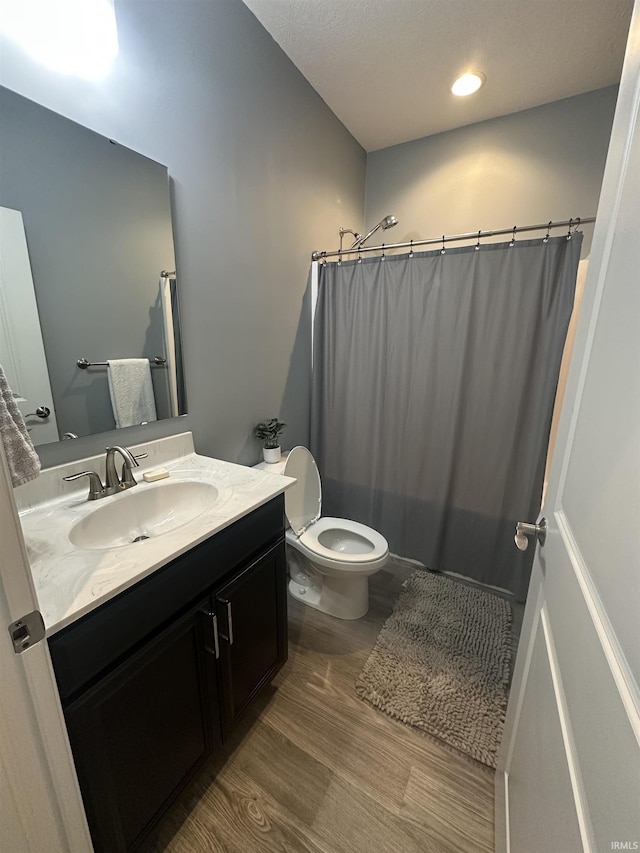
(251, 611)
(155, 679)
(141, 732)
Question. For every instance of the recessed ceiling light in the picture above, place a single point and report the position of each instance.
(468, 83)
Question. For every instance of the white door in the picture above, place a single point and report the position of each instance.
(21, 347)
(568, 775)
(40, 803)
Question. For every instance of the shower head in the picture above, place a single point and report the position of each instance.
(387, 222)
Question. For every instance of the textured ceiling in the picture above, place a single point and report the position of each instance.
(385, 66)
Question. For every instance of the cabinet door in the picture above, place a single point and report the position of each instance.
(143, 730)
(252, 615)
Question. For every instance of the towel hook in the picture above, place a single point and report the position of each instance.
(477, 246)
(442, 250)
(545, 239)
(513, 237)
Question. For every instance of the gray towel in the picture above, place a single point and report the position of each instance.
(131, 391)
(24, 462)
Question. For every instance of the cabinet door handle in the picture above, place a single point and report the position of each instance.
(216, 645)
(214, 621)
(229, 639)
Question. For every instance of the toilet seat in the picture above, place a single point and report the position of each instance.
(331, 542)
(375, 544)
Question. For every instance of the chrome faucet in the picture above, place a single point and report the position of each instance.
(127, 480)
(113, 483)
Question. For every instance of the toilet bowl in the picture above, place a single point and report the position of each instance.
(329, 559)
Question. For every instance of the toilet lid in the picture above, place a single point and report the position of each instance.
(303, 501)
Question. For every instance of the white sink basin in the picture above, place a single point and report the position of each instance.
(143, 512)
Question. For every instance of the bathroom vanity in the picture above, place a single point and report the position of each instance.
(160, 645)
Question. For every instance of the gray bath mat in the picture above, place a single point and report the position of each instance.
(442, 662)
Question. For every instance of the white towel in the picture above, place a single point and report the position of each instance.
(131, 391)
(23, 461)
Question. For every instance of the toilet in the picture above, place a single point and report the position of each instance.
(329, 559)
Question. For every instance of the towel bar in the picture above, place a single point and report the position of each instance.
(156, 361)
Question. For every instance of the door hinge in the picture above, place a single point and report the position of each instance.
(27, 631)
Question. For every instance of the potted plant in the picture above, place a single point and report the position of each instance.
(269, 431)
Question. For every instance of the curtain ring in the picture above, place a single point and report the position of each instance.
(513, 237)
(382, 257)
(359, 256)
(477, 246)
(577, 225)
(442, 250)
(545, 239)
(411, 249)
(569, 231)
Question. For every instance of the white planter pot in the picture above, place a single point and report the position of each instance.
(271, 454)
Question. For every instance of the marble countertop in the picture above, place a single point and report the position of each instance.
(71, 581)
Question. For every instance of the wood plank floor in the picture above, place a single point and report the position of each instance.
(313, 768)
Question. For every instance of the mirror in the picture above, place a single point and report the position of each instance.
(97, 221)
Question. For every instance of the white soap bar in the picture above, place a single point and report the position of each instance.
(157, 474)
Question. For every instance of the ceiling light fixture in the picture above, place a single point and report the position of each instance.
(468, 83)
(77, 37)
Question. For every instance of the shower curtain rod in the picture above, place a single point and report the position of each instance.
(472, 235)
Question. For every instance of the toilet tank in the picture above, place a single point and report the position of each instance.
(273, 467)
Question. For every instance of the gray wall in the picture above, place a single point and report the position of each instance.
(262, 173)
(525, 168)
(98, 224)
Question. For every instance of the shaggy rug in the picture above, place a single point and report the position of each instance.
(442, 663)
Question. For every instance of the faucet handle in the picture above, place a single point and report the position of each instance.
(96, 489)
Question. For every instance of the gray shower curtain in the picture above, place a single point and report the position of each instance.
(433, 389)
